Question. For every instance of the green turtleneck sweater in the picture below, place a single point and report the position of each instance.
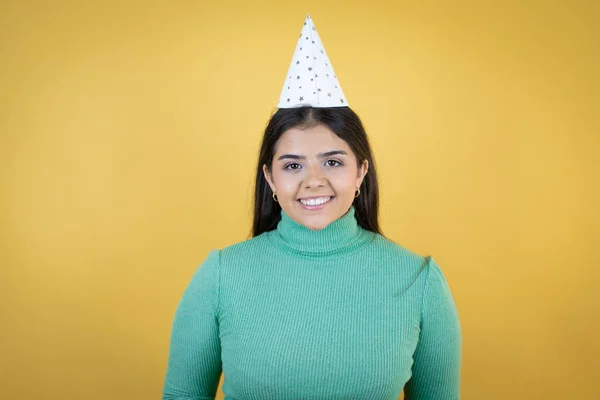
(337, 313)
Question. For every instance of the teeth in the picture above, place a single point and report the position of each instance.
(315, 202)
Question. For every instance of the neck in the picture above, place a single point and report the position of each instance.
(343, 234)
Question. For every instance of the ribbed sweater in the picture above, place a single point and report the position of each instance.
(336, 313)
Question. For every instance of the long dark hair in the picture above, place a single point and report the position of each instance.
(344, 123)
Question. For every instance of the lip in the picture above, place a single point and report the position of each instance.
(315, 197)
(316, 207)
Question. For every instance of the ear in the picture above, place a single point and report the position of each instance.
(268, 177)
(362, 171)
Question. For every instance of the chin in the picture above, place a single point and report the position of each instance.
(314, 227)
(316, 222)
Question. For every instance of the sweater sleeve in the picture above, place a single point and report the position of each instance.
(437, 358)
(194, 365)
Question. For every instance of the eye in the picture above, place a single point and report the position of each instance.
(291, 164)
(336, 163)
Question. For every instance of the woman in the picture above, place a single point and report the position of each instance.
(317, 304)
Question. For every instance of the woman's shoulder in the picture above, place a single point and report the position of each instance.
(246, 247)
(394, 250)
(409, 260)
(423, 265)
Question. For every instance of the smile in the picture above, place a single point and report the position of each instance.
(316, 203)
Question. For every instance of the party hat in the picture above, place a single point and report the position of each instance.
(310, 80)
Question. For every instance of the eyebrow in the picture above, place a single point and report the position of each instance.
(320, 155)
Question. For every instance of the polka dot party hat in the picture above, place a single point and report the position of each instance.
(310, 80)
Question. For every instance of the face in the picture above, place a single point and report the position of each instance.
(315, 175)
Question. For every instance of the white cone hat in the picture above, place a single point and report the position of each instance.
(311, 80)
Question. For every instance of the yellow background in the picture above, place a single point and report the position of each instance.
(128, 138)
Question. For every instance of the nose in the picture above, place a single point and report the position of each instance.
(315, 178)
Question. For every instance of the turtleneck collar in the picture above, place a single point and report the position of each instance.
(341, 235)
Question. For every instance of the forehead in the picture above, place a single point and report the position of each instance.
(310, 140)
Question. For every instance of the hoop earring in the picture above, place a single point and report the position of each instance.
(275, 197)
(357, 193)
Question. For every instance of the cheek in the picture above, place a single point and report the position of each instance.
(344, 185)
(286, 184)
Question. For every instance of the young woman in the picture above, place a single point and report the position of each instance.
(318, 304)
